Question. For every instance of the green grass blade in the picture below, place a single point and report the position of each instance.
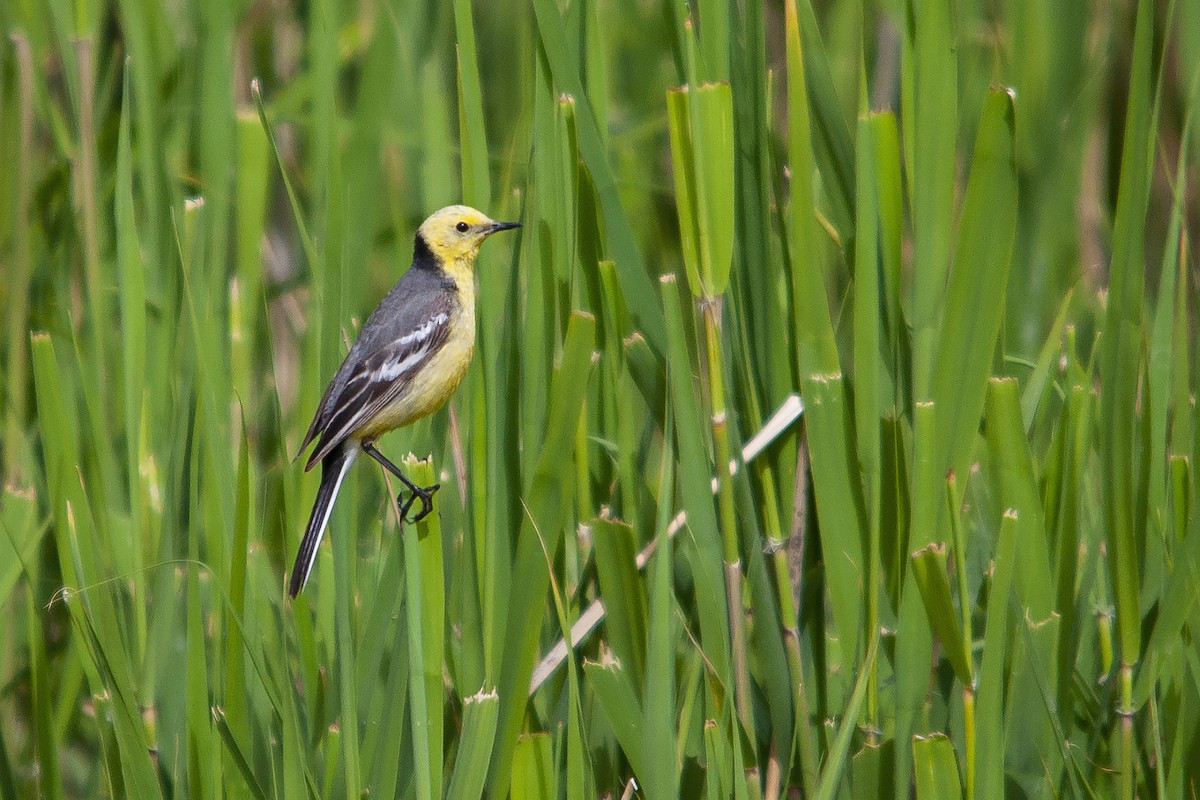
(835, 760)
(929, 571)
(930, 127)
(990, 714)
(700, 121)
(618, 701)
(480, 713)
(830, 426)
(1016, 484)
(1120, 366)
(623, 593)
(982, 257)
(543, 500)
(238, 754)
(935, 768)
(635, 280)
(423, 582)
(832, 142)
(533, 775)
(476, 180)
(46, 739)
(703, 547)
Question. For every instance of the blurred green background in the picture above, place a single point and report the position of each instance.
(959, 231)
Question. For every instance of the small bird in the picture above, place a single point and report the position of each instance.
(408, 359)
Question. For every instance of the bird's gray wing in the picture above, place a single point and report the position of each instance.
(408, 327)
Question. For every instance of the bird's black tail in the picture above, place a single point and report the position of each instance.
(333, 469)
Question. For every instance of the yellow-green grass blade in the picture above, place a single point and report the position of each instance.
(1070, 501)
(635, 280)
(1015, 482)
(212, 389)
(1038, 385)
(46, 739)
(839, 498)
(543, 502)
(990, 704)
(929, 571)
(833, 144)
(354, 207)
(1177, 601)
(134, 771)
(646, 374)
(935, 768)
(1030, 740)
(198, 746)
(472, 136)
(383, 702)
(1052, 61)
(298, 216)
(832, 772)
(246, 302)
(238, 754)
(216, 148)
(235, 712)
(623, 593)
(493, 383)
(424, 605)
(618, 702)
(322, 52)
(702, 547)
(1035, 752)
(150, 45)
(1059, 752)
(700, 121)
(79, 563)
(871, 771)
(1120, 364)
(889, 197)
(662, 768)
(930, 127)
(983, 247)
(338, 614)
(914, 638)
(575, 773)
(133, 334)
(760, 303)
(768, 665)
(464, 613)
(894, 511)
(869, 367)
(964, 338)
(20, 534)
(16, 296)
(93, 318)
(1166, 353)
(533, 773)
(541, 257)
(480, 713)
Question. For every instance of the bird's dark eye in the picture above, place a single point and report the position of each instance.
(462, 227)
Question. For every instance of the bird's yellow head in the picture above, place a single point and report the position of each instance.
(455, 233)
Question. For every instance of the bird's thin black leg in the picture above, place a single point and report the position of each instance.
(425, 493)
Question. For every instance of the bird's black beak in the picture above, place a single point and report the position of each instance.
(502, 226)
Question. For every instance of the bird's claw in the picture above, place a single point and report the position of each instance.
(426, 496)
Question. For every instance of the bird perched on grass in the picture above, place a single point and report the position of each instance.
(409, 358)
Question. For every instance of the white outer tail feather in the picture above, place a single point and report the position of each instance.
(304, 564)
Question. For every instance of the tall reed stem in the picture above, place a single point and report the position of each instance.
(711, 311)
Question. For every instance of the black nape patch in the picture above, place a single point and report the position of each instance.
(423, 257)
